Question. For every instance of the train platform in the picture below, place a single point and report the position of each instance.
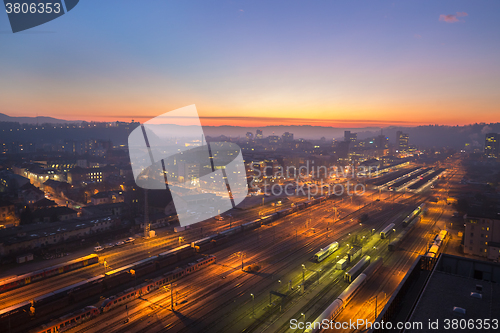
(308, 296)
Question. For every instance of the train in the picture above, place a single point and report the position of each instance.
(324, 253)
(324, 320)
(353, 273)
(416, 212)
(64, 297)
(434, 248)
(354, 252)
(210, 242)
(90, 312)
(387, 231)
(24, 279)
(402, 235)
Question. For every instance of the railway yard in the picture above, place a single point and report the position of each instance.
(254, 272)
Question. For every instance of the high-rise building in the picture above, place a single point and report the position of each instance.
(259, 134)
(482, 235)
(350, 137)
(287, 137)
(492, 145)
(273, 139)
(249, 136)
(402, 140)
(382, 142)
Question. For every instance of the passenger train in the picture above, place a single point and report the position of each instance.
(73, 319)
(336, 307)
(24, 279)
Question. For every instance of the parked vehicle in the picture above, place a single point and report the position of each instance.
(98, 248)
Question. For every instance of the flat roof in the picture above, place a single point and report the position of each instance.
(450, 285)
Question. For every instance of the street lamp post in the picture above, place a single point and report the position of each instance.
(171, 296)
(303, 274)
(242, 260)
(253, 307)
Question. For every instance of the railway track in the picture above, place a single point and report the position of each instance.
(284, 238)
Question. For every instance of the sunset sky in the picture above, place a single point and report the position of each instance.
(255, 63)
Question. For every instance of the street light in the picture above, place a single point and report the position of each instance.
(253, 308)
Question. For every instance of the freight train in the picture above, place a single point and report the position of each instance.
(434, 248)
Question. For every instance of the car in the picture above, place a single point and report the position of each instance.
(219, 218)
(119, 243)
(109, 245)
(129, 240)
(98, 248)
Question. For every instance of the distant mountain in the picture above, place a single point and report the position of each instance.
(36, 120)
(425, 136)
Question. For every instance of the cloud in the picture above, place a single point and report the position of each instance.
(452, 18)
(486, 129)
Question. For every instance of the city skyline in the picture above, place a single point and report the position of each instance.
(335, 64)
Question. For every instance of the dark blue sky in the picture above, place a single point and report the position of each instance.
(339, 62)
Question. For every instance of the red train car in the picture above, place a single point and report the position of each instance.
(145, 288)
(69, 320)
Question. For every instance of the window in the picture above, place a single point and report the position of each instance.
(482, 235)
(472, 234)
(471, 241)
